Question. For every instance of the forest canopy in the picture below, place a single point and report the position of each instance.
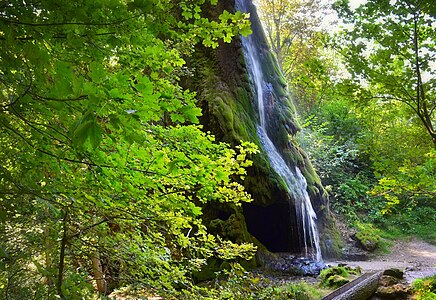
(364, 89)
(106, 170)
(104, 166)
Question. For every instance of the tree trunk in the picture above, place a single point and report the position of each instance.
(61, 264)
(99, 274)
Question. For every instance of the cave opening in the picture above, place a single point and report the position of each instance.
(273, 226)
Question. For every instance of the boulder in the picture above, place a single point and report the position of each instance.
(397, 273)
(387, 280)
(397, 291)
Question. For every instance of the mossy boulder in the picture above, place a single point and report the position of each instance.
(335, 277)
(386, 280)
(367, 236)
(336, 281)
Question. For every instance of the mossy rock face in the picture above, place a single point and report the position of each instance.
(221, 80)
(233, 229)
(228, 222)
(331, 243)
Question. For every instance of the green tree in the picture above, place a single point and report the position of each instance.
(288, 22)
(389, 47)
(296, 35)
(104, 169)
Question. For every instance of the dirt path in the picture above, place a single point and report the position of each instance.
(417, 258)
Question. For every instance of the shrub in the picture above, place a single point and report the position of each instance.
(237, 284)
(425, 288)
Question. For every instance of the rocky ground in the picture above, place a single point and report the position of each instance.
(417, 258)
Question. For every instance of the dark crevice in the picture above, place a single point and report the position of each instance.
(273, 226)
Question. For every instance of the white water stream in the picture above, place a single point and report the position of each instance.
(294, 179)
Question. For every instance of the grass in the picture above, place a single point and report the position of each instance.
(420, 224)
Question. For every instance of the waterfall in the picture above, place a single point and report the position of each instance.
(295, 181)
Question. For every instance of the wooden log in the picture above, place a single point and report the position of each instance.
(359, 289)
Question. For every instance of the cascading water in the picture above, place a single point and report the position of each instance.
(295, 181)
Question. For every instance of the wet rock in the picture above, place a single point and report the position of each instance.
(354, 254)
(410, 269)
(292, 265)
(394, 272)
(308, 267)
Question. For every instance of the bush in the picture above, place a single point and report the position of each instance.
(425, 288)
(300, 290)
(237, 284)
(417, 221)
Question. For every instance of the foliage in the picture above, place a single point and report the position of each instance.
(295, 34)
(238, 284)
(377, 118)
(388, 52)
(103, 169)
(287, 23)
(388, 49)
(412, 183)
(332, 157)
(424, 288)
(417, 221)
(330, 136)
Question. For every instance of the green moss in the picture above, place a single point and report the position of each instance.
(335, 277)
(336, 281)
(300, 290)
(273, 73)
(326, 273)
(331, 239)
(231, 109)
(368, 236)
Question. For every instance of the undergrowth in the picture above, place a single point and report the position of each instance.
(237, 284)
(425, 288)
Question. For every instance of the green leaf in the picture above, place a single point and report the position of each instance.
(90, 131)
(196, 211)
(245, 31)
(97, 72)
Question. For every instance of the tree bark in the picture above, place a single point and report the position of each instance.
(61, 264)
(99, 274)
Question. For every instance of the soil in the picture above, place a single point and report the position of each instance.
(415, 257)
